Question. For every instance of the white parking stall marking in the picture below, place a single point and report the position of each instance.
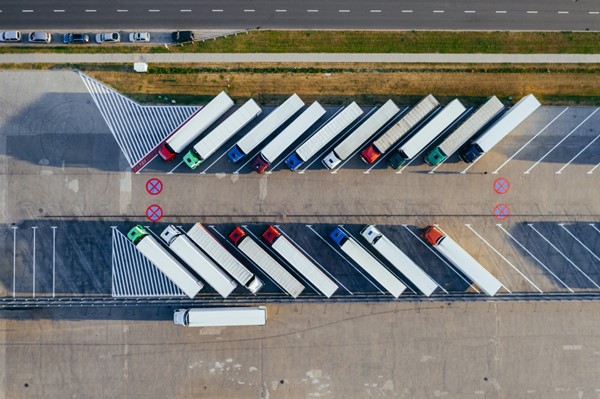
(14, 259)
(343, 257)
(176, 166)
(558, 172)
(53, 261)
(313, 259)
(591, 171)
(534, 257)
(216, 160)
(560, 142)
(579, 241)
(250, 159)
(451, 267)
(34, 228)
(594, 227)
(506, 260)
(373, 255)
(530, 140)
(563, 255)
(340, 137)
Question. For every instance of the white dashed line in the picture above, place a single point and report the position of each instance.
(153, 10)
(343, 10)
(500, 12)
(532, 12)
(563, 12)
(470, 12)
(122, 10)
(248, 10)
(217, 10)
(312, 10)
(407, 11)
(594, 12)
(59, 10)
(90, 10)
(438, 11)
(375, 10)
(26, 10)
(280, 10)
(185, 10)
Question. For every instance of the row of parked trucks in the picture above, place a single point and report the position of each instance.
(409, 135)
(196, 257)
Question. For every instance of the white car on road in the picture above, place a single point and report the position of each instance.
(111, 37)
(139, 37)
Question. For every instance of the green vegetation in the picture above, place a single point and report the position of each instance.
(267, 41)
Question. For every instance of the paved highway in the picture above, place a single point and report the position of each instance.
(311, 14)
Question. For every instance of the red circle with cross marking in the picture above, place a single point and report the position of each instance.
(154, 186)
(501, 211)
(154, 213)
(501, 185)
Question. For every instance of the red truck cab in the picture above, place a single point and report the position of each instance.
(166, 153)
(259, 164)
(271, 234)
(237, 234)
(370, 154)
(432, 235)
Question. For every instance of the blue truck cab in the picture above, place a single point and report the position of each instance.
(293, 162)
(235, 154)
(470, 152)
(338, 236)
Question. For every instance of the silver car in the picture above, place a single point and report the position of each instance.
(11, 36)
(40, 37)
(139, 37)
(111, 37)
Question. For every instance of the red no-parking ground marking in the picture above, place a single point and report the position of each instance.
(154, 213)
(501, 211)
(501, 185)
(154, 186)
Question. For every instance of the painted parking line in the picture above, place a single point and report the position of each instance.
(341, 136)
(384, 128)
(506, 260)
(534, 257)
(447, 129)
(324, 270)
(53, 261)
(451, 267)
(14, 259)
(216, 160)
(563, 255)
(375, 257)
(558, 172)
(579, 241)
(346, 259)
(594, 227)
(591, 171)
(530, 140)
(34, 228)
(560, 142)
(176, 166)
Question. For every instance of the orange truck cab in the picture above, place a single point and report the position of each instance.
(432, 235)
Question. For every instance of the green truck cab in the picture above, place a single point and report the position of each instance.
(136, 234)
(396, 160)
(191, 159)
(435, 157)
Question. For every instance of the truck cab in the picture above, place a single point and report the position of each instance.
(293, 162)
(338, 236)
(136, 234)
(331, 161)
(396, 160)
(371, 234)
(259, 165)
(237, 235)
(432, 235)
(192, 159)
(470, 153)
(434, 157)
(369, 155)
(271, 234)
(166, 152)
(235, 154)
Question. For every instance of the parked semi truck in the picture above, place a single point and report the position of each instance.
(359, 136)
(399, 260)
(268, 125)
(287, 136)
(500, 129)
(195, 125)
(262, 259)
(226, 130)
(402, 127)
(461, 259)
(164, 261)
(365, 260)
(420, 140)
(185, 249)
(299, 261)
(213, 248)
(221, 317)
(465, 131)
(327, 133)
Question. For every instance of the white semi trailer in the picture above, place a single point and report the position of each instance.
(399, 260)
(359, 136)
(460, 258)
(164, 261)
(299, 261)
(226, 130)
(365, 260)
(213, 248)
(195, 125)
(221, 317)
(198, 261)
(263, 260)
